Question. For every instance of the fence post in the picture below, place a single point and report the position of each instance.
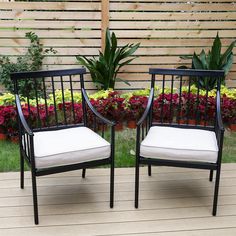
(105, 19)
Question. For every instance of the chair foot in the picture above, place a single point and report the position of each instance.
(22, 172)
(111, 204)
(136, 186)
(35, 199)
(216, 191)
(211, 175)
(149, 170)
(83, 173)
(112, 185)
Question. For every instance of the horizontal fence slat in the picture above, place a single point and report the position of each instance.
(70, 33)
(71, 42)
(173, 16)
(36, 24)
(168, 1)
(79, 6)
(70, 51)
(173, 25)
(160, 6)
(49, 15)
(86, 42)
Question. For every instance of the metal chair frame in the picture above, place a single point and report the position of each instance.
(146, 121)
(26, 133)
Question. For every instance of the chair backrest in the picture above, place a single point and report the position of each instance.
(185, 96)
(51, 99)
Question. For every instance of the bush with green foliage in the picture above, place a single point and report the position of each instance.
(213, 60)
(104, 69)
(31, 61)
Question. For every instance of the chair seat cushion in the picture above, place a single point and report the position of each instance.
(180, 144)
(68, 146)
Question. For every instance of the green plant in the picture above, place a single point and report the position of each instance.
(104, 69)
(31, 61)
(213, 60)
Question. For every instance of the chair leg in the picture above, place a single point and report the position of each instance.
(149, 170)
(136, 183)
(211, 175)
(21, 172)
(35, 199)
(83, 173)
(112, 185)
(216, 192)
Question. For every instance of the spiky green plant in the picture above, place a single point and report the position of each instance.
(213, 60)
(105, 68)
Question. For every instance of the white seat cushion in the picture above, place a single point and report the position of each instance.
(180, 144)
(68, 146)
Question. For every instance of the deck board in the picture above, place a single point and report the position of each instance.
(173, 201)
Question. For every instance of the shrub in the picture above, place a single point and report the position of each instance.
(135, 107)
(213, 60)
(104, 69)
(31, 61)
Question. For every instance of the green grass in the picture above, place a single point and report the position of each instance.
(229, 151)
(125, 147)
(9, 156)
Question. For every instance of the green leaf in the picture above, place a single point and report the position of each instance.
(197, 62)
(229, 62)
(215, 54)
(124, 81)
(186, 57)
(226, 54)
(203, 59)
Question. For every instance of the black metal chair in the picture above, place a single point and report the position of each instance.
(58, 134)
(179, 128)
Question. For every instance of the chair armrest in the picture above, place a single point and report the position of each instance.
(105, 120)
(147, 110)
(219, 121)
(21, 117)
(219, 127)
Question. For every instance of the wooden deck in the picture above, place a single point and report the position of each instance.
(173, 201)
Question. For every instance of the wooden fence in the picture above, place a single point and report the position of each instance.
(166, 30)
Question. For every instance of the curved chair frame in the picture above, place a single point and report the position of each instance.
(26, 133)
(146, 121)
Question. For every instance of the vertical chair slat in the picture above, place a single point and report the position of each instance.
(29, 110)
(188, 100)
(63, 100)
(162, 97)
(45, 101)
(180, 99)
(198, 113)
(37, 104)
(72, 99)
(54, 100)
(171, 100)
(206, 103)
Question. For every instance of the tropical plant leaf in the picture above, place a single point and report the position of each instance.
(229, 62)
(186, 57)
(226, 54)
(124, 81)
(197, 62)
(203, 59)
(215, 54)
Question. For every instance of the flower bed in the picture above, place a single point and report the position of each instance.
(119, 107)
